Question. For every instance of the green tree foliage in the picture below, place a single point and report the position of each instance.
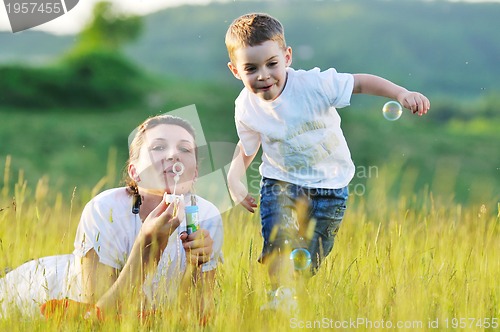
(104, 79)
(108, 30)
(98, 79)
(93, 74)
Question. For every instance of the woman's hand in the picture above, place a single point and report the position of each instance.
(162, 222)
(198, 246)
(145, 253)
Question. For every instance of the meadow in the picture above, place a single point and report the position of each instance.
(418, 248)
(417, 262)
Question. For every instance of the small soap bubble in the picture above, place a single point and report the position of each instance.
(301, 258)
(392, 110)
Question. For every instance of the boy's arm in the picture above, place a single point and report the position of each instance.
(238, 191)
(378, 86)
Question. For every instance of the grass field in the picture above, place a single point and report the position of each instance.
(416, 263)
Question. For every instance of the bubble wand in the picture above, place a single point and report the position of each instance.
(178, 169)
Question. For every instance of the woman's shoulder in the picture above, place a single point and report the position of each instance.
(107, 212)
(111, 194)
(115, 197)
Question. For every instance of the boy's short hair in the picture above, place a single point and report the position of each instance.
(253, 29)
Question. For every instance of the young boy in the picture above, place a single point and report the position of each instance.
(305, 157)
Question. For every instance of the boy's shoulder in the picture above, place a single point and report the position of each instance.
(241, 102)
(302, 82)
(313, 73)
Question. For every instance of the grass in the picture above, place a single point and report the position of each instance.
(419, 261)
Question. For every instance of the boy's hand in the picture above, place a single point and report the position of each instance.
(416, 102)
(249, 203)
(239, 195)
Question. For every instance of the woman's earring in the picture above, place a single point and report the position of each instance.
(137, 203)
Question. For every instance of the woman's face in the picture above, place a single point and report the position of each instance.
(164, 146)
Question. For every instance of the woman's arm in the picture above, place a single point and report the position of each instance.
(145, 254)
(206, 295)
(197, 292)
(97, 278)
(196, 287)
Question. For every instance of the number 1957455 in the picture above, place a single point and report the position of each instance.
(34, 7)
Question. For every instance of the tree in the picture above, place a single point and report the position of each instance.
(108, 30)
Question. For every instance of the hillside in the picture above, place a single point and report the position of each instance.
(33, 47)
(436, 47)
(440, 48)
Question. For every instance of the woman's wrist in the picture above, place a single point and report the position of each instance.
(149, 238)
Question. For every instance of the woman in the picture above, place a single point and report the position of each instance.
(128, 238)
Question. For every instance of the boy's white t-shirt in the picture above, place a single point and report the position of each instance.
(302, 142)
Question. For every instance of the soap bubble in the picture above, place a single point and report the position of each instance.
(301, 258)
(392, 110)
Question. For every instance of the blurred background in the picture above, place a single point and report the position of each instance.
(70, 94)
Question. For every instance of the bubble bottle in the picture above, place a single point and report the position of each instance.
(192, 216)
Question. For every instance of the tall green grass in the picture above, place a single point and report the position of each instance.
(418, 260)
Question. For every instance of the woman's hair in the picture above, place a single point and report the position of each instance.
(253, 29)
(140, 138)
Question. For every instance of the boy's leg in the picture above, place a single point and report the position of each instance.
(279, 230)
(327, 210)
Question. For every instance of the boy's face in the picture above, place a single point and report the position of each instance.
(262, 68)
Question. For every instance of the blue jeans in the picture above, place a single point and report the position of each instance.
(300, 217)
